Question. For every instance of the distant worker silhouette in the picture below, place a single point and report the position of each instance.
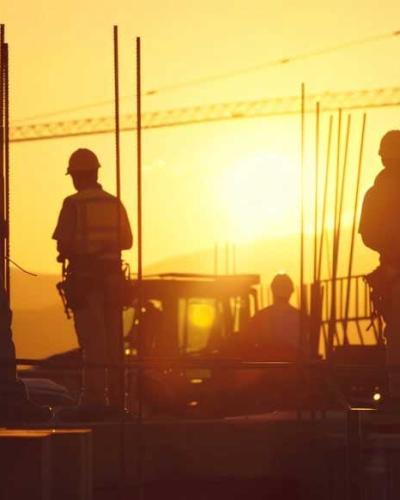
(92, 230)
(275, 330)
(380, 231)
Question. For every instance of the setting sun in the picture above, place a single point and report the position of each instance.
(261, 195)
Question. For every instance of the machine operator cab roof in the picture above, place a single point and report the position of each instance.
(190, 313)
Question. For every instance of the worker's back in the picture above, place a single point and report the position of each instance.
(275, 331)
(92, 222)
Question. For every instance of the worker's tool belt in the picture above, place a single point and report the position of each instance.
(76, 287)
(381, 285)
(82, 277)
(93, 266)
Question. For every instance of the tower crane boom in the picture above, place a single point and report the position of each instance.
(329, 101)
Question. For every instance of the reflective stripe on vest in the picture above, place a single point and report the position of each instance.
(99, 225)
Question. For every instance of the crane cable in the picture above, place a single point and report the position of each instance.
(223, 76)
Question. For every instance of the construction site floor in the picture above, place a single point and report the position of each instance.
(282, 454)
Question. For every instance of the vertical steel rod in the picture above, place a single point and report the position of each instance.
(332, 319)
(139, 155)
(316, 197)
(343, 184)
(301, 294)
(325, 199)
(7, 172)
(315, 309)
(354, 225)
(2, 152)
(140, 443)
(117, 114)
(123, 377)
(340, 207)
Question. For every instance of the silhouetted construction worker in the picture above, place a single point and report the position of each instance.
(275, 330)
(92, 229)
(380, 231)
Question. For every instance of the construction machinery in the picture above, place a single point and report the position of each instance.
(194, 359)
(194, 320)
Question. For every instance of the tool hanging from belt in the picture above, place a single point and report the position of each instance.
(80, 278)
(381, 283)
(61, 287)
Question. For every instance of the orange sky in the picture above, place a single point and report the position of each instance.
(234, 181)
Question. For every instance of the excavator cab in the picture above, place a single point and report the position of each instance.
(189, 314)
(186, 317)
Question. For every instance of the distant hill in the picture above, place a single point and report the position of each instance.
(41, 328)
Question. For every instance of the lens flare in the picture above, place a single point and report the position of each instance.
(201, 315)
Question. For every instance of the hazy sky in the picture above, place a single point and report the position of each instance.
(205, 183)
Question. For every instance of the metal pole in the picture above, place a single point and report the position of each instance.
(301, 294)
(139, 155)
(2, 153)
(332, 319)
(139, 262)
(340, 207)
(325, 199)
(316, 296)
(343, 185)
(121, 372)
(316, 198)
(353, 229)
(7, 171)
(117, 121)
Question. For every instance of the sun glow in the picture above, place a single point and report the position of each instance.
(260, 196)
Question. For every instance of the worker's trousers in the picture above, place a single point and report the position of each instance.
(98, 324)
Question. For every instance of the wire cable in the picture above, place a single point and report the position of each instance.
(222, 76)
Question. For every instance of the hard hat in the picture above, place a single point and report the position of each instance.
(390, 145)
(82, 160)
(282, 285)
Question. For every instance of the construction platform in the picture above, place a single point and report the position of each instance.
(284, 454)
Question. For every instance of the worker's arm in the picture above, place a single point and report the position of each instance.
(371, 223)
(65, 230)
(126, 232)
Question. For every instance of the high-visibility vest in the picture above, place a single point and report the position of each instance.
(101, 224)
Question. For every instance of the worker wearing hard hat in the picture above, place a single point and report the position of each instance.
(92, 230)
(275, 330)
(380, 231)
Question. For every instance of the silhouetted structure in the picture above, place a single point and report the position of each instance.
(15, 407)
(379, 229)
(92, 229)
(9, 388)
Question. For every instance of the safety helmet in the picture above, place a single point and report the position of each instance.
(282, 286)
(390, 145)
(82, 160)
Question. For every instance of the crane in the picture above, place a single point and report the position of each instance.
(329, 101)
